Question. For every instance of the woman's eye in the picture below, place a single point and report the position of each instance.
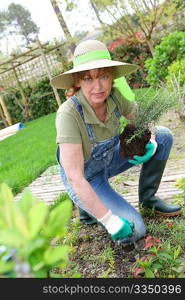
(104, 77)
(87, 79)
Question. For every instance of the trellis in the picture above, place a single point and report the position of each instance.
(26, 69)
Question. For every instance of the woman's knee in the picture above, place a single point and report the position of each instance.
(164, 134)
(164, 138)
(140, 229)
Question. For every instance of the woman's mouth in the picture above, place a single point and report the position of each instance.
(99, 95)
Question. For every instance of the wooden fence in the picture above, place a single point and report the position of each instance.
(26, 69)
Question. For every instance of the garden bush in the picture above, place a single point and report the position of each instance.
(177, 70)
(171, 48)
(11, 99)
(133, 53)
(41, 100)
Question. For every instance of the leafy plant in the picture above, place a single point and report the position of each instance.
(151, 108)
(136, 135)
(163, 261)
(134, 53)
(27, 227)
(171, 48)
(40, 97)
(176, 68)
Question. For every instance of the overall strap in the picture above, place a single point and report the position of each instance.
(117, 112)
(80, 110)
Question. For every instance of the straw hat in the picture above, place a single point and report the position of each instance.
(91, 54)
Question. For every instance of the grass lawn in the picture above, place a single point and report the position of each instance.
(25, 155)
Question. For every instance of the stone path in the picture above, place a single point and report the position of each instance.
(48, 186)
(168, 190)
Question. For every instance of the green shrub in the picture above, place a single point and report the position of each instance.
(26, 229)
(135, 54)
(12, 99)
(176, 70)
(171, 48)
(41, 100)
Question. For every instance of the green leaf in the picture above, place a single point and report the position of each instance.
(76, 275)
(20, 221)
(37, 217)
(11, 237)
(177, 252)
(27, 201)
(36, 259)
(34, 245)
(42, 273)
(56, 255)
(58, 219)
(6, 266)
(149, 273)
(55, 275)
(157, 266)
(165, 255)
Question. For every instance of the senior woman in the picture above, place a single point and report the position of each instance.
(88, 137)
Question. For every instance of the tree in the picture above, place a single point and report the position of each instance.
(179, 3)
(73, 4)
(137, 15)
(63, 23)
(2, 23)
(19, 19)
(93, 5)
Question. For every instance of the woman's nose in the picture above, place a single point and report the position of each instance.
(97, 84)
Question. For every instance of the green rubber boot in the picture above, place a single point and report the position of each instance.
(150, 178)
(86, 218)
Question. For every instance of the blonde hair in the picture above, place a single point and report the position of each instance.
(80, 75)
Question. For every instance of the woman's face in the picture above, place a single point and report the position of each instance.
(96, 85)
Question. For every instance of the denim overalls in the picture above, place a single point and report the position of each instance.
(106, 162)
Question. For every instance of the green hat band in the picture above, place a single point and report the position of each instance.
(97, 54)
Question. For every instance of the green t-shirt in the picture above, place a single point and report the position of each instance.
(71, 128)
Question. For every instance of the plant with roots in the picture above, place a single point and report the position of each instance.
(151, 106)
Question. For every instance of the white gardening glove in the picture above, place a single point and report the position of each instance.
(119, 228)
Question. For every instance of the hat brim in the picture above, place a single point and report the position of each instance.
(66, 80)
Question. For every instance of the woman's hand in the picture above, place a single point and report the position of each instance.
(151, 148)
(119, 228)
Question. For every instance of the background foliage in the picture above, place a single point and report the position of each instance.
(171, 48)
(133, 53)
(41, 100)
